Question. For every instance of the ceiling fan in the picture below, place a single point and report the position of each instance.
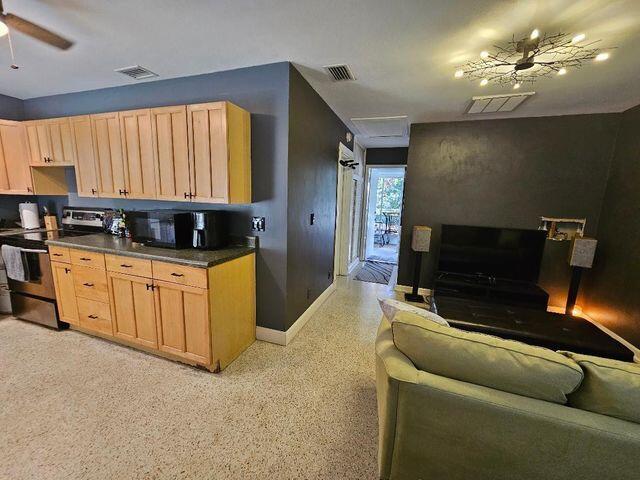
(28, 28)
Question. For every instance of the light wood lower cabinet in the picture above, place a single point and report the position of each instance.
(65, 292)
(183, 321)
(133, 305)
(201, 316)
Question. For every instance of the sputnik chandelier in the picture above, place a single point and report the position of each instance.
(526, 60)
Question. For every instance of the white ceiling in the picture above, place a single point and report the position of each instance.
(403, 52)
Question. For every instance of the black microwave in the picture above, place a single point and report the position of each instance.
(161, 228)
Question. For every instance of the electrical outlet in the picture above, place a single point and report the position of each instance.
(258, 224)
(312, 218)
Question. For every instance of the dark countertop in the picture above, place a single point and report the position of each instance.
(104, 243)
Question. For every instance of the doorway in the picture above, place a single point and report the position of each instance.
(348, 209)
(385, 189)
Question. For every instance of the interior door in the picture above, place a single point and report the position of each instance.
(86, 175)
(182, 314)
(207, 123)
(172, 169)
(65, 292)
(133, 305)
(15, 174)
(137, 148)
(107, 146)
(61, 142)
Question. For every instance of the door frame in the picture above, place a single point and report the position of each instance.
(340, 247)
(365, 204)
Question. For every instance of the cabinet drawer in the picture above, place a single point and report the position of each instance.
(95, 315)
(128, 265)
(91, 284)
(87, 259)
(59, 254)
(180, 274)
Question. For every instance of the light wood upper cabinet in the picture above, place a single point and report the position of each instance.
(219, 153)
(65, 292)
(15, 174)
(171, 151)
(198, 153)
(107, 147)
(62, 151)
(182, 315)
(86, 175)
(50, 142)
(137, 149)
(133, 307)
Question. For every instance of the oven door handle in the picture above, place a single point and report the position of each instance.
(32, 250)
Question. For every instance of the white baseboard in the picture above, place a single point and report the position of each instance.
(353, 266)
(284, 338)
(409, 289)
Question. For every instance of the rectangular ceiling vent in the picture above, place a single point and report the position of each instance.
(382, 126)
(136, 72)
(339, 73)
(498, 103)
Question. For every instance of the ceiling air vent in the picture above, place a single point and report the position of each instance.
(339, 73)
(136, 72)
(498, 103)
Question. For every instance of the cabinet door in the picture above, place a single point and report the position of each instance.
(86, 176)
(34, 135)
(133, 307)
(171, 150)
(137, 148)
(61, 142)
(208, 153)
(65, 292)
(15, 173)
(182, 315)
(107, 146)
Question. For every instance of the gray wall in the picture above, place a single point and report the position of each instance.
(387, 156)
(507, 173)
(11, 108)
(263, 91)
(610, 292)
(314, 134)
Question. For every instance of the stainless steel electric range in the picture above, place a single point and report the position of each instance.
(35, 299)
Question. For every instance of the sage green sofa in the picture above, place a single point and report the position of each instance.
(435, 427)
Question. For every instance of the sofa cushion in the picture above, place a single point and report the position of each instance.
(390, 307)
(610, 387)
(486, 360)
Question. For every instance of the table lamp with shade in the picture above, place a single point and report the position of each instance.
(420, 242)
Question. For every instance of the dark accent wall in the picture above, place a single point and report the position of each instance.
(315, 132)
(610, 291)
(263, 91)
(11, 108)
(387, 156)
(507, 173)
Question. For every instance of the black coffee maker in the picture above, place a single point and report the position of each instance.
(210, 229)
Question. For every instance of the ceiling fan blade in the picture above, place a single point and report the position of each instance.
(36, 31)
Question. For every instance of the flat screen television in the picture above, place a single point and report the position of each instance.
(505, 253)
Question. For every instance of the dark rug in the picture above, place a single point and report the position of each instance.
(375, 272)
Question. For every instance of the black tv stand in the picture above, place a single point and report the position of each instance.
(491, 290)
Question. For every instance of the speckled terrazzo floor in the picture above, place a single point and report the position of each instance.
(76, 407)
